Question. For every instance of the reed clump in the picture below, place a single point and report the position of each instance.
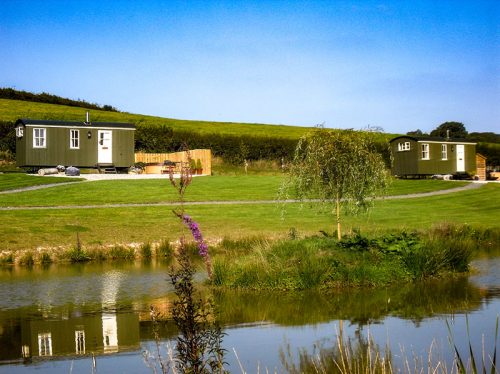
(146, 251)
(356, 260)
(27, 259)
(164, 249)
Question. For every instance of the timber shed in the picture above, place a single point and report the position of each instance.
(47, 143)
(421, 156)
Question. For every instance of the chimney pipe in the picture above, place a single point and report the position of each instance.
(87, 118)
(448, 134)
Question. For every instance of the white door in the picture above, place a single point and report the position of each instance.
(104, 147)
(460, 157)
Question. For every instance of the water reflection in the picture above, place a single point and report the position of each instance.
(360, 306)
(104, 309)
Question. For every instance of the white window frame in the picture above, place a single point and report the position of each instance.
(425, 151)
(444, 151)
(404, 146)
(45, 344)
(80, 342)
(39, 137)
(74, 139)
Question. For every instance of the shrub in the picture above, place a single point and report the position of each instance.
(27, 259)
(146, 251)
(97, 254)
(77, 254)
(164, 249)
(7, 140)
(220, 272)
(7, 260)
(45, 258)
(119, 252)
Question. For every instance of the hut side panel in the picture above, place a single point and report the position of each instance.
(436, 164)
(427, 156)
(470, 159)
(123, 142)
(57, 150)
(41, 143)
(405, 154)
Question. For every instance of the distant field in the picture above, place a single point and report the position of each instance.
(11, 110)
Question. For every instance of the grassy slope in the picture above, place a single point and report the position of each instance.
(11, 110)
(218, 188)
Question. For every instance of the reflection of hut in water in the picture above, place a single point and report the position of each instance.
(98, 333)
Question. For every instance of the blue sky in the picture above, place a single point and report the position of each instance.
(400, 65)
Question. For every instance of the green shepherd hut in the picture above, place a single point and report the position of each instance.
(422, 156)
(47, 143)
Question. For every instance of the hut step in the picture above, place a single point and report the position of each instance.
(106, 169)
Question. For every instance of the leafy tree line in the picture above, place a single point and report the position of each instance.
(458, 130)
(10, 93)
(232, 148)
(235, 149)
(488, 143)
(7, 137)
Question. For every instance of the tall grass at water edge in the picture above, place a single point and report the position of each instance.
(356, 260)
(299, 263)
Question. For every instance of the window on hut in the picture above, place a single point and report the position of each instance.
(39, 138)
(74, 139)
(444, 152)
(404, 146)
(425, 151)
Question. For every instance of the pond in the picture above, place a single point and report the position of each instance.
(54, 319)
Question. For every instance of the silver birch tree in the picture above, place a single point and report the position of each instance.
(340, 168)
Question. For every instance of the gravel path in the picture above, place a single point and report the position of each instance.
(88, 178)
(472, 185)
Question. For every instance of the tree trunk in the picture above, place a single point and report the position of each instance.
(337, 202)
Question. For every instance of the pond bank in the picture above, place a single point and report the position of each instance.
(301, 263)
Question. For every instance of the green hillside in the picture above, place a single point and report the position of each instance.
(11, 110)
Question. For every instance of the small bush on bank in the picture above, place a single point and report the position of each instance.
(7, 260)
(27, 259)
(45, 259)
(119, 252)
(164, 249)
(77, 254)
(146, 252)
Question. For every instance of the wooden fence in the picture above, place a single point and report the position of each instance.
(481, 166)
(204, 155)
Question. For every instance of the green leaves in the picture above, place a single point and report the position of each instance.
(343, 169)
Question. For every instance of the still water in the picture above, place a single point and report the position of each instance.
(54, 319)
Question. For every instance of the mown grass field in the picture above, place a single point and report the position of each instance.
(22, 229)
(219, 188)
(19, 180)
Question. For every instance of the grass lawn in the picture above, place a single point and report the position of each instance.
(219, 188)
(30, 228)
(12, 181)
